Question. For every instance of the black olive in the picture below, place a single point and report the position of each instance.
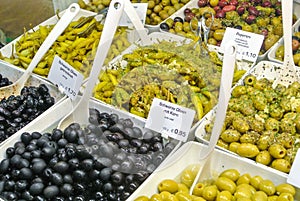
(36, 188)
(21, 185)
(26, 195)
(56, 179)
(94, 173)
(136, 142)
(70, 135)
(47, 172)
(36, 135)
(4, 166)
(66, 189)
(62, 142)
(10, 151)
(87, 164)
(56, 134)
(9, 185)
(164, 26)
(26, 173)
(14, 161)
(68, 178)
(41, 141)
(26, 138)
(48, 152)
(23, 163)
(51, 191)
(105, 174)
(107, 187)
(35, 153)
(79, 175)
(117, 178)
(178, 19)
(61, 167)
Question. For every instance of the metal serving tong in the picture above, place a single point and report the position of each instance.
(201, 30)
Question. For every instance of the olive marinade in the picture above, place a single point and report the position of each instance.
(263, 123)
(106, 160)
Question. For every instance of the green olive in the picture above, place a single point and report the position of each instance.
(243, 192)
(156, 197)
(219, 34)
(198, 189)
(182, 196)
(168, 185)
(270, 41)
(233, 146)
(224, 196)
(259, 196)
(296, 58)
(230, 135)
(182, 188)
(273, 198)
(279, 54)
(247, 150)
(255, 181)
(210, 192)
(225, 184)
(277, 150)
(187, 178)
(285, 197)
(267, 186)
(232, 174)
(264, 157)
(244, 179)
(238, 91)
(281, 165)
(285, 188)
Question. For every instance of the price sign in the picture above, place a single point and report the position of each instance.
(67, 78)
(141, 10)
(170, 119)
(248, 44)
(294, 175)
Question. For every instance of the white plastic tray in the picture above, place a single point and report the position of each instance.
(188, 155)
(264, 69)
(271, 53)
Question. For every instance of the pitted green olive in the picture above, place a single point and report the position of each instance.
(264, 157)
(244, 179)
(255, 181)
(277, 150)
(285, 197)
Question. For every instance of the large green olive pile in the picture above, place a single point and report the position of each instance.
(157, 11)
(257, 16)
(229, 185)
(279, 54)
(262, 123)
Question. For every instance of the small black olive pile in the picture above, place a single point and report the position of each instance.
(17, 111)
(4, 81)
(105, 161)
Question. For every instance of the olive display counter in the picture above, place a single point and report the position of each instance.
(181, 168)
(106, 159)
(276, 54)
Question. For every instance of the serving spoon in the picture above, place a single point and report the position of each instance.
(224, 96)
(288, 73)
(61, 25)
(80, 112)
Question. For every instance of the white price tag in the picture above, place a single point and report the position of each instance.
(170, 119)
(65, 77)
(248, 44)
(294, 175)
(141, 10)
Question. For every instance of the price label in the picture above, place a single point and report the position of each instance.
(67, 78)
(141, 10)
(170, 119)
(294, 175)
(248, 44)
